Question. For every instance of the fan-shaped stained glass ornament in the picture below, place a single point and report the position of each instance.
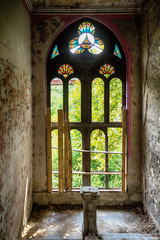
(55, 52)
(117, 51)
(65, 70)
(107, 70)
(86, 27)
(86, 40)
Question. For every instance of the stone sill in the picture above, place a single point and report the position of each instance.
(107, 198)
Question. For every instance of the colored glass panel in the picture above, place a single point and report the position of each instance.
(98, 47)
(86, 40)
(65, 70)
(55, 52)
(107, 70)
(86, 27)
(117, 51)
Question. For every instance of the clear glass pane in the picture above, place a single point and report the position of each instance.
(115, 139)
(97, 100)
(54, 180)
(56, 98)
(74, 100)
(54, 143)
(98, 180)
(97, 144)
(115, 181)
(114, 162)
(115, 101)
(77, 180)
(76, 140)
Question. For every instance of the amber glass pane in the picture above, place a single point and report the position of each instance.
(56, 98)
(97, 144)
(74, 100)
(54, 143)
(97, 100)
(115, 101)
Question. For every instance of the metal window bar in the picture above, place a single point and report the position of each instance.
(91, 151)
(93, 172)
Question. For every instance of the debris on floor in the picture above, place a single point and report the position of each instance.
(65, 222)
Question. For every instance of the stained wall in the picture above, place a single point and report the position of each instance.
(15, 119)
(151, 111)
(44, 29)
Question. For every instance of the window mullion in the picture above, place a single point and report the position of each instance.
(106, 101)
(106, 157)
(65, 99)
(86, 156)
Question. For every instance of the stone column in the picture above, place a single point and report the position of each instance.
(89, 227)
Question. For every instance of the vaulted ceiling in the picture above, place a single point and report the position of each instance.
(98, 6)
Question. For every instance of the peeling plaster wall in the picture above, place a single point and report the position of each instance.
(15, 119)
(43, 31)
(151, 111)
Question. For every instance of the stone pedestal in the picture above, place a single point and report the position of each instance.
(89, 227)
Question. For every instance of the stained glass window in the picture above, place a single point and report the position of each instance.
(117, 52)
(55, 52)
(107, 70)
(86, 40)
(86, 77)
(65, 70)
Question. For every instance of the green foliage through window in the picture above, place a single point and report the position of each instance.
(97, 100)
(115, 100)
(56, 96)
(97, 138)
(74, 100)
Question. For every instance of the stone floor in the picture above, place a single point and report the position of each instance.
(113, 224)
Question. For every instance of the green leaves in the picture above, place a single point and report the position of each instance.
(97, 100)
(113, 139)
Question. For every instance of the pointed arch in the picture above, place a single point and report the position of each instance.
(81, 53)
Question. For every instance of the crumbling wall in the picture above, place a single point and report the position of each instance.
(84, 4)
(44, 29)
(15, 119)
(151, 110)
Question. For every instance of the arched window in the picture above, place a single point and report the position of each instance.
(97, 100)
(115, 101)
(74, 100)
(89, 60)
(56, 96)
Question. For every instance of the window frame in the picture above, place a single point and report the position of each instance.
(86, 126)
